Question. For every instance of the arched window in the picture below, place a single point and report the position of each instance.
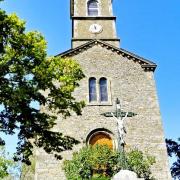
(103, 90)
(92, 8)
(92, 89)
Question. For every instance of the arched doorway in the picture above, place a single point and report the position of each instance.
(101, 138)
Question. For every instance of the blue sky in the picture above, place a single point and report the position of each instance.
(150, 29)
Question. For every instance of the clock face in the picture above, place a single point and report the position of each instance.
(95, 28)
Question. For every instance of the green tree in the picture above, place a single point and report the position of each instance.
(28, 77)
(173, 149)
(5, 163)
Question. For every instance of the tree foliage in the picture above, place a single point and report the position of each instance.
(173, 149)
(28, 77)
(100, 162)
(5, 163)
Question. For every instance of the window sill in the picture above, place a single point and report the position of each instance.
(99, 104)
(93, 17)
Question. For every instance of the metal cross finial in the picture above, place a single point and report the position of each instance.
(118, 108)
(118, 101)
(118, 104)
(119, 113)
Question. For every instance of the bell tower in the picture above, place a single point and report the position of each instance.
(93, 19)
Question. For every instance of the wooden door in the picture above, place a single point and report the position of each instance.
(101, 138)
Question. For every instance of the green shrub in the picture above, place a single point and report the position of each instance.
(140, 164)
(97, 160)
(101, 163)
(100, 177)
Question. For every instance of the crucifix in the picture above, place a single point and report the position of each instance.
(119, 117)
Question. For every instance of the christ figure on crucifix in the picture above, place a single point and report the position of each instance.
(119, 117)
(121, 128)
(120, 122)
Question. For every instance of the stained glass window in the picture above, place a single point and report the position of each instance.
(92, 8)
(103, 90)
(92, 89)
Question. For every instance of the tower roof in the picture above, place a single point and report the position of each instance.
(145, 63)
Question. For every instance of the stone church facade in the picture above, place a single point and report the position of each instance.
(110, 73)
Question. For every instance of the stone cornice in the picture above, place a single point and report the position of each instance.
(88, 39)
(93, 17)
(145, 64)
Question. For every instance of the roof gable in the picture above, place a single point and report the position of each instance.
(145, 64)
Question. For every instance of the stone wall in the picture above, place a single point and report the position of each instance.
(136, 88)
(105, 6)
(82, 29)
(105, 19)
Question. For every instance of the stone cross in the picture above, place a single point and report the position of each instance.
(119, 117)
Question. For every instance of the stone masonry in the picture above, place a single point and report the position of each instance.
(136, 88)
(81, 23)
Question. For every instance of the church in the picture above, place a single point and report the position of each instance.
(115, 79)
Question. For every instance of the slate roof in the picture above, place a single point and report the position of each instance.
(145, 63)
